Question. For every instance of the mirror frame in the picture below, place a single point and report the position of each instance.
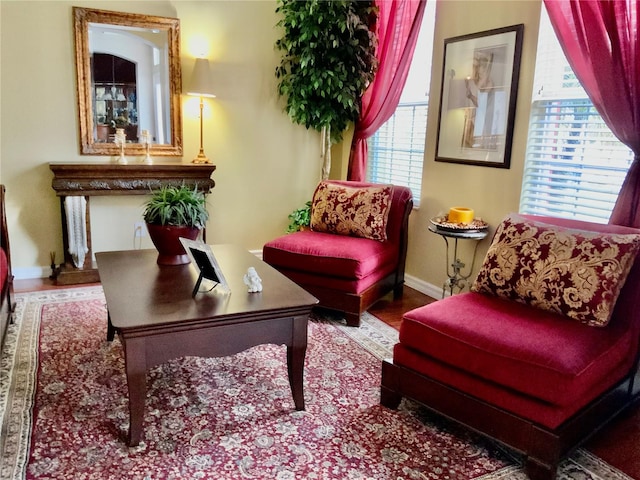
(82, 18)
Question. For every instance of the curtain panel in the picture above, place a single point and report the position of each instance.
(600, 41)
(397, 29)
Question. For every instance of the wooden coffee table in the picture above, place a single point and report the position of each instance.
(151, 308)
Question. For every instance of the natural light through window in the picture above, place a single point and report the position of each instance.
(574, 165)
(396, 150)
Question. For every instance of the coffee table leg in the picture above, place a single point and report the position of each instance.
(295, 360)
(111, 332)
(136, 370)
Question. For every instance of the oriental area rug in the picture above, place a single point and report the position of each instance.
(63, 401)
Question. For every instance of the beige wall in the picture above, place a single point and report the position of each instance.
(491, 192)
(266, 166)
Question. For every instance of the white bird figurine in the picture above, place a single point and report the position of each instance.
(253, 280)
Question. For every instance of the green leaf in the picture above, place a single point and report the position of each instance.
(176, 205)
(328, 60)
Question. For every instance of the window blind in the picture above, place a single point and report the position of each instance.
(574, 165)
(396, 151)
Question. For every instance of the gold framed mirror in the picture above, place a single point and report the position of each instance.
(129, 79)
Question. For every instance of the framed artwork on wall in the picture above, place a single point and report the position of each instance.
(478, 97)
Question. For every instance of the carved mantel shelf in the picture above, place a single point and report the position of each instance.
(91, 179)
(99, 179)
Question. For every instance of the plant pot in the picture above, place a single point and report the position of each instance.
(166, 239)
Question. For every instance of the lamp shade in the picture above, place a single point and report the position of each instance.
(200, 84)
(457, 94)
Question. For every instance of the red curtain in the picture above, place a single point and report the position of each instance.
(600, 41)
(397, 28)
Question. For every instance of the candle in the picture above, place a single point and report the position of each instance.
(120, 136)
(460, 215)
(146, 140)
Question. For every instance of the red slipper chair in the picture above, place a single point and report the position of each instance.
(542, 352)
(356, 248)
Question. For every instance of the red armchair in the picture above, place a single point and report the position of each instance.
(542, 352)
(356, 249)
(7, 304)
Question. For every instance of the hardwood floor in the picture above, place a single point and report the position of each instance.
(37, 284)
(390, 311)
(618, 444)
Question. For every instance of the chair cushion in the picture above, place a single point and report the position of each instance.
(331, 255)
(521, 348)
(360, 211)
(355, 286)
(526, 406)
(575, 273)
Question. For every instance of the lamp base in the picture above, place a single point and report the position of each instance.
(201, 158)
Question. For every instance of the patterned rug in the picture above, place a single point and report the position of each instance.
(66, 412)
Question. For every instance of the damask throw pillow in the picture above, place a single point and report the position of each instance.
(355, 211)
(575, 273)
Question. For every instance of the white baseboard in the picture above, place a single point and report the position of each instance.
(31, 272)
(429, 289)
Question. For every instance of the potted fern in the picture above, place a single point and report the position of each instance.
(173, 212)
(300, 218)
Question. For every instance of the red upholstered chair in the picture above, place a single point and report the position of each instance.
(528, 357)
(351, 257)
(7, 302)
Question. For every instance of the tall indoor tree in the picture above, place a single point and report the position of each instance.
(328, 60)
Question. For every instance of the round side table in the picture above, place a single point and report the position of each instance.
(455, 277)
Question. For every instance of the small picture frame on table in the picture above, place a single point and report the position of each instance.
(202, 258)
(478, 97)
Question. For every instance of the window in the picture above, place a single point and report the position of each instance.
(396, 150)
(574, 165)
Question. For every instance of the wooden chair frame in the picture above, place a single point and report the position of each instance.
(7, 296)
(543, 448)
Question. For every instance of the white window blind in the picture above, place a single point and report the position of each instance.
(574, 165)
(396, 151)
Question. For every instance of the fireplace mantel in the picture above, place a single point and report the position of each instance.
(91, 179)
(100, 179)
